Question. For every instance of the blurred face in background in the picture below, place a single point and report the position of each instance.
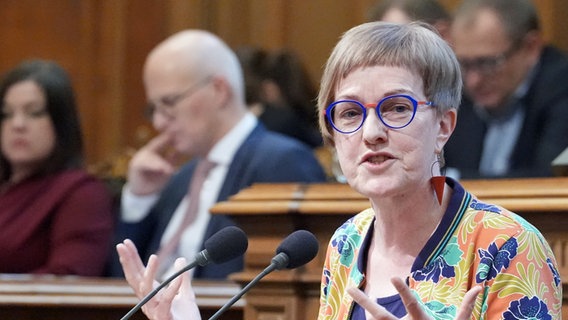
(28, 134)
(395, 15)
(183, 108)
(493, 66)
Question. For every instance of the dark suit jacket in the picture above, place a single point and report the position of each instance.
(544, 134)
(263, 157)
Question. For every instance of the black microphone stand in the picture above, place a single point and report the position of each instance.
(280, 261)
(236, 298)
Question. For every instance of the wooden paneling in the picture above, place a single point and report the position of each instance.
(62, 31)
(103, 45)
(144, 25)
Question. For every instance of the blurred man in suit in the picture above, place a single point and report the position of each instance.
(513, 119)
(194, 85)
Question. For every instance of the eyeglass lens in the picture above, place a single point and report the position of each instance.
(165, 105)
(488, 65)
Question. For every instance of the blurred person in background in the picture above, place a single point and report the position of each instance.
(196, 92)
(512, 121)
(55, 218)
(405, 11)
(252, 59)
(280, 92)
(286, 85)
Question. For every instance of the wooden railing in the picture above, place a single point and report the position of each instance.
(25, 297)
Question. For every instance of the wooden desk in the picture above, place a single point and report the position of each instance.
(25, 297)
(269, 212)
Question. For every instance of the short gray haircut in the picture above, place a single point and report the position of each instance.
(416, 47)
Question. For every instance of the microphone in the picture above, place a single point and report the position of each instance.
(299, 248)
(227, 244)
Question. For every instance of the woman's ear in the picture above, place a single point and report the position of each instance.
(447, 124)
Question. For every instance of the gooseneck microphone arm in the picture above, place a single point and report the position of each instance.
(278, 262)
(297, 249)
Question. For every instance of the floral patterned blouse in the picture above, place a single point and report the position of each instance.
(475, 244)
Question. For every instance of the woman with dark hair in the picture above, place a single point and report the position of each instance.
(289, 98)
(55, 218)
(280, 93)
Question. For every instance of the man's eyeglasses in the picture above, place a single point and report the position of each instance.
(395, 112)
(166, 104)
(489, 64)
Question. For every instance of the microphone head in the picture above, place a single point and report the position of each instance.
(300, 246)
(227, 244)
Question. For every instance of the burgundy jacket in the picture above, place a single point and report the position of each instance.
(57, 224)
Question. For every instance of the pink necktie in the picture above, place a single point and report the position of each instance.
(170, 247)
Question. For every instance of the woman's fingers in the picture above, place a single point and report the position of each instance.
(183, 304)
(148, 277)
(412, 306)
(376, 311)
(468, 303)
(131, 264)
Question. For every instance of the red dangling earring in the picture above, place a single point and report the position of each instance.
(438, 182)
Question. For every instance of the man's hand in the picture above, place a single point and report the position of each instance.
(413, 309)
(150, 168)
(174, 302)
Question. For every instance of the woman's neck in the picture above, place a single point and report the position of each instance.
(398, 220)
(20, 173)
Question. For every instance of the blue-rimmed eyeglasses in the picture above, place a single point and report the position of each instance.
(396, 112)
(165, 104)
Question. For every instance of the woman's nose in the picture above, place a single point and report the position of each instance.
(19, 119)
(373, 128)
